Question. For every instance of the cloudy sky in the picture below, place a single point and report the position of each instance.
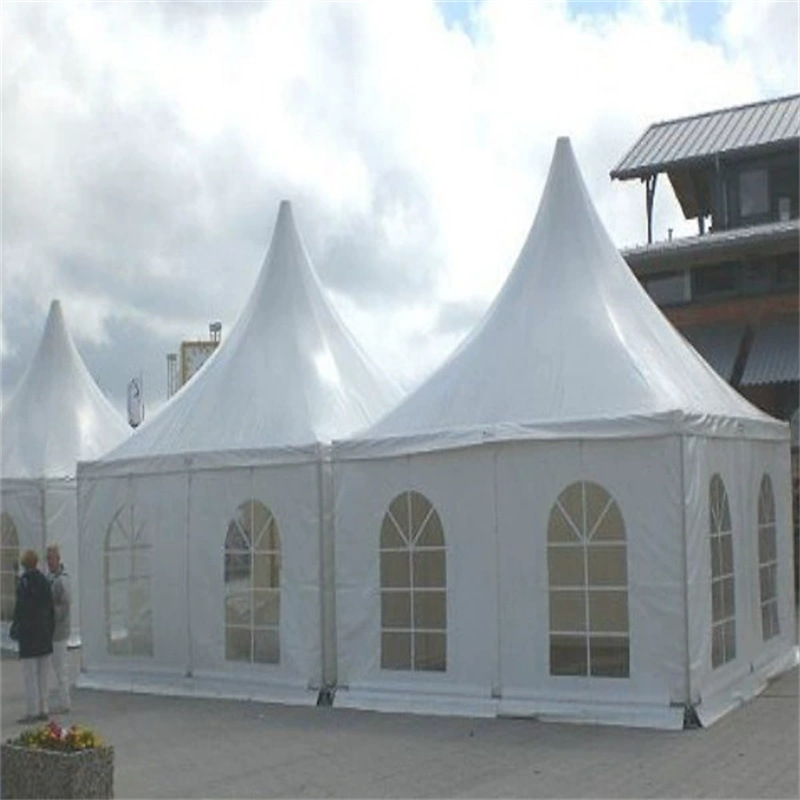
(146, 147)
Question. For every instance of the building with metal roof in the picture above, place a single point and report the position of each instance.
(699, 155)
(731, 290)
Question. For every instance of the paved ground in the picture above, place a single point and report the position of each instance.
(178, 747)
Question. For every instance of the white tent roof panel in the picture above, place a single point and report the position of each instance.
(57, 415)
(289, 374)
(571, 343)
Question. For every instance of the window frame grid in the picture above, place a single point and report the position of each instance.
(122, 546)
(766, 524)
(250, 535)
(721, 624)
(585, 541)
(412, 546)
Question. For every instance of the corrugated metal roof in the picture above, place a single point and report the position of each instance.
(678, 141)
(774, 355)
(715, 245)
(718, 344)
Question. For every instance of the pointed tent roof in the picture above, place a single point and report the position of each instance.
(57, 415)
(572, 343)
(289, 374)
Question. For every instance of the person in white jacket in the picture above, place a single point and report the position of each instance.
(62, 600)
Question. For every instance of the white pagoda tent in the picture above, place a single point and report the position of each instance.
(56, 416)
(208, 532)
(574, 517)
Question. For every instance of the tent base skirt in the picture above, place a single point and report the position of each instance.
(228, 688)
(403, 701)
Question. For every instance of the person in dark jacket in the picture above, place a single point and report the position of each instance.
(34, 623)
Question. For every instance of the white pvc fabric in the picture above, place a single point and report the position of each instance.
(494, 502)
(183, 511)
(246, 436)
(572, 379)
(56, 416)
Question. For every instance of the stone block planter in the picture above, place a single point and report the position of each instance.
(33, 772)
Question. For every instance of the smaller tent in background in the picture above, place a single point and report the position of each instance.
(574, 516)
(207, 533)
(56, 416)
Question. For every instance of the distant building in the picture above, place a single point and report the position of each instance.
(732, 289)
(193, 354)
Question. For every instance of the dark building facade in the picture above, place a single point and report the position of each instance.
(731, 290)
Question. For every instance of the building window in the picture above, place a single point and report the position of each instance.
(413, 586)
(588, 581)
(767, 560)
(669, 289)
(753, 193)
(9, 566)
(723, 601)
(129, 614)
(252, 586)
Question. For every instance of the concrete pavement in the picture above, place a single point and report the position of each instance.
(185, 747)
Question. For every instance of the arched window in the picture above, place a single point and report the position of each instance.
(587, 567)
(252, 586)
(9, 566)
(723, 599)
(413, 586)
(129, 613)
(767, 560)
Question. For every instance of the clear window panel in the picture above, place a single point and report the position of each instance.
(390, 537)
(730, 640)
(118, 566)
(609, 657)
(766, 544)
(141, 562)
(717, 601)
(726, 514)
(396, 609)
(717, 646)
(395, 650)
(597, 501)
(266, 607)
(266, 570)
(395, 569)
(611, 527)
(568, 655)
(775, 627)
(716, 556)
(429, 568)
(235, 539)
(608, 611)
(728, 599)
(566, 565)
(238, 566)
(430, 610)
(767, 575)
(432, 534)
(420, 509)
(399, 510)
(571, 500)
(141, 635)
(607, 565)
(726, 550)
(567, 611)
(559, 529)
(430, 652)
(266, 646)
(766, 502)
(238, 610)
(238, 644)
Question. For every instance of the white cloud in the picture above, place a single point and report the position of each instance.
(146, 147)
